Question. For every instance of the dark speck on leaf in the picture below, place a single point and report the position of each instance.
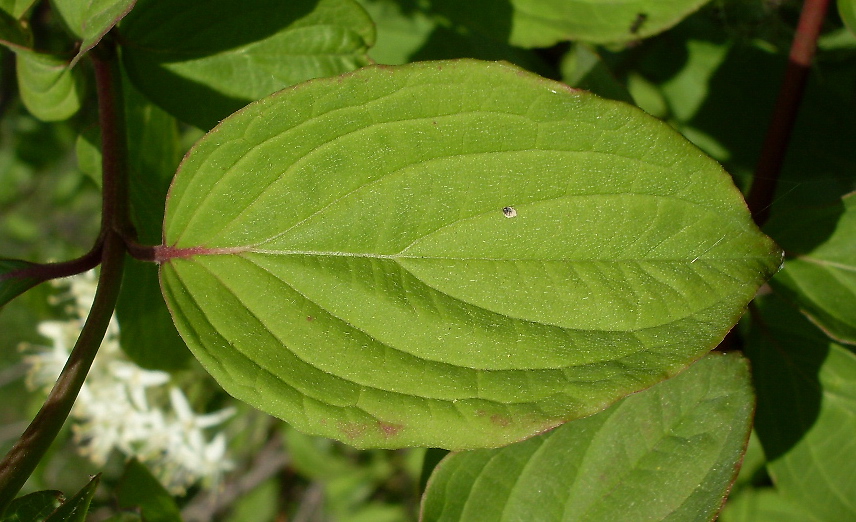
(509, 212)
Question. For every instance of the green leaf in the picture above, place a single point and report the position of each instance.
(77, 507)
(13, 287)
(820, 272)
(202, 60)
(847, 10)
(806, 415)
(148, 335)
(50, 90)
(138, 488)
(667, 453)
(16, 8)
(542, 23)
(451, 254)
(583, 68)
(34, 507)
(763, 505)
(13, 34)
(89, 20)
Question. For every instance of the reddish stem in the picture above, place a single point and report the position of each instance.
(784, 116)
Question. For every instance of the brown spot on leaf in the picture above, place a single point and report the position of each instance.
(310, 318)
(352, 430)
(389, 430)
(500, 420)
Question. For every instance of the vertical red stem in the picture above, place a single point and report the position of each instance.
(785, 112)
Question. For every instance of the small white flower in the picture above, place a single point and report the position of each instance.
(114, 410)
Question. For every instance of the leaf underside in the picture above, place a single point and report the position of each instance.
(668, 453)
(451, 254)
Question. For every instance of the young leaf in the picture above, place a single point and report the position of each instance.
(202, 60)
(77, 507)
(89, 20)
(50, 90)
(542, 23)
(806, 416)
(451, 254)
(667, 453)
(13, 287)
(820, 274)
(34, 507)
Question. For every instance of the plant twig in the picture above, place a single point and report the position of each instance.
(47, 271)
(784, 116)
(20, 462)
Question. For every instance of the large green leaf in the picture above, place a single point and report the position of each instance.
(201, 60)
(820, 273)
(806, 416)
(50, 89)
(668, 453)
(542, 23)
(451, 254)
(89, 20)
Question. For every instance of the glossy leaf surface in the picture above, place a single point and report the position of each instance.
(820, 273)
(201, 60)
(806, 410)
(667, 453)
(451, 254)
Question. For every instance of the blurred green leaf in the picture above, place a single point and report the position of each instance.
(35, 507)
(50, 90)
(806, 415)
(401, 32)
(260, 504)
(764, 505)
(12, 288)
(582, 68)
(89, 20)
(820, 272)
(16, 8)
(847, 10)
(201, 60)
(147, 333)
(341, 256)
(542, 23)
(77, 507)
(13, 34)
(139, 489)
(667, 453)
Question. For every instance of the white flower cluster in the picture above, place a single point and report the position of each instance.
(118, 406)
